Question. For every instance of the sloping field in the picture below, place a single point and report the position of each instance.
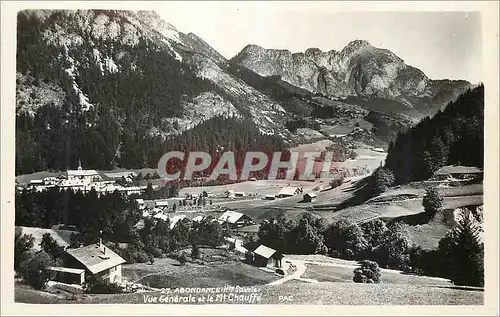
(370, 294)
(399, 208)
(62, 237)
(220, 267)
(259, 187)
(331, 273)
(327, 269)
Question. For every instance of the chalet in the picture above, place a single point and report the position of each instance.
(235, 219)
(270, 197)
(50, 181)
(266, 257)
(458, 172)
(131, 190)
(239, 194)
(36, 182)
(238, 245)
(161, 203)
(140, 203)
(175, 219)
(91, 260)
(310, 197)
(288, 191)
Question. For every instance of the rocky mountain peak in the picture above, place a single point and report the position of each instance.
(313, 51)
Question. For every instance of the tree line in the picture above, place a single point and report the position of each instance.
(459, 256)
(454, 136)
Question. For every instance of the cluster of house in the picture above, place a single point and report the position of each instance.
(84, 181)
(99, 261)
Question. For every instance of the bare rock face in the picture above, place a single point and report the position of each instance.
(359, 69)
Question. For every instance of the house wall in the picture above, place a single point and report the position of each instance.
(115, 274)
(260, 261)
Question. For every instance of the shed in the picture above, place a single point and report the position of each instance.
(264, 256)
(310, 197)
(68, 275)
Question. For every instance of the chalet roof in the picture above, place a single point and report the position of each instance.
(445, 170)
(120, 174)
(82, 173)
(230, 216)
(198, 218)
(175, 219)
(311, 194)
(161, 202)
(289, 190)
(264, 251)
(96, 258)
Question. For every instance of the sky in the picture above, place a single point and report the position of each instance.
(441, 44)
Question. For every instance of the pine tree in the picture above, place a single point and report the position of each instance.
(462, 252)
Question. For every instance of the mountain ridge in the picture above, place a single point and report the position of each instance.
(80, 72)
(357, 70)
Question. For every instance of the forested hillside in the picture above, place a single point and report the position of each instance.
(453, 136)
(108, 101)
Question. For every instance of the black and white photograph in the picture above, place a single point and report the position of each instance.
(171, 154)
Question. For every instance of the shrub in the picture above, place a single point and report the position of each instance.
(359, 277)
(371, 270)
(432, 202)
(22, 245)
(97, 285)
(34, 270)
(195, 252)
(182, 258)
(50, 245)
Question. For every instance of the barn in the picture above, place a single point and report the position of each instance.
(266, 257)
(235, 219)
(288, 191)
